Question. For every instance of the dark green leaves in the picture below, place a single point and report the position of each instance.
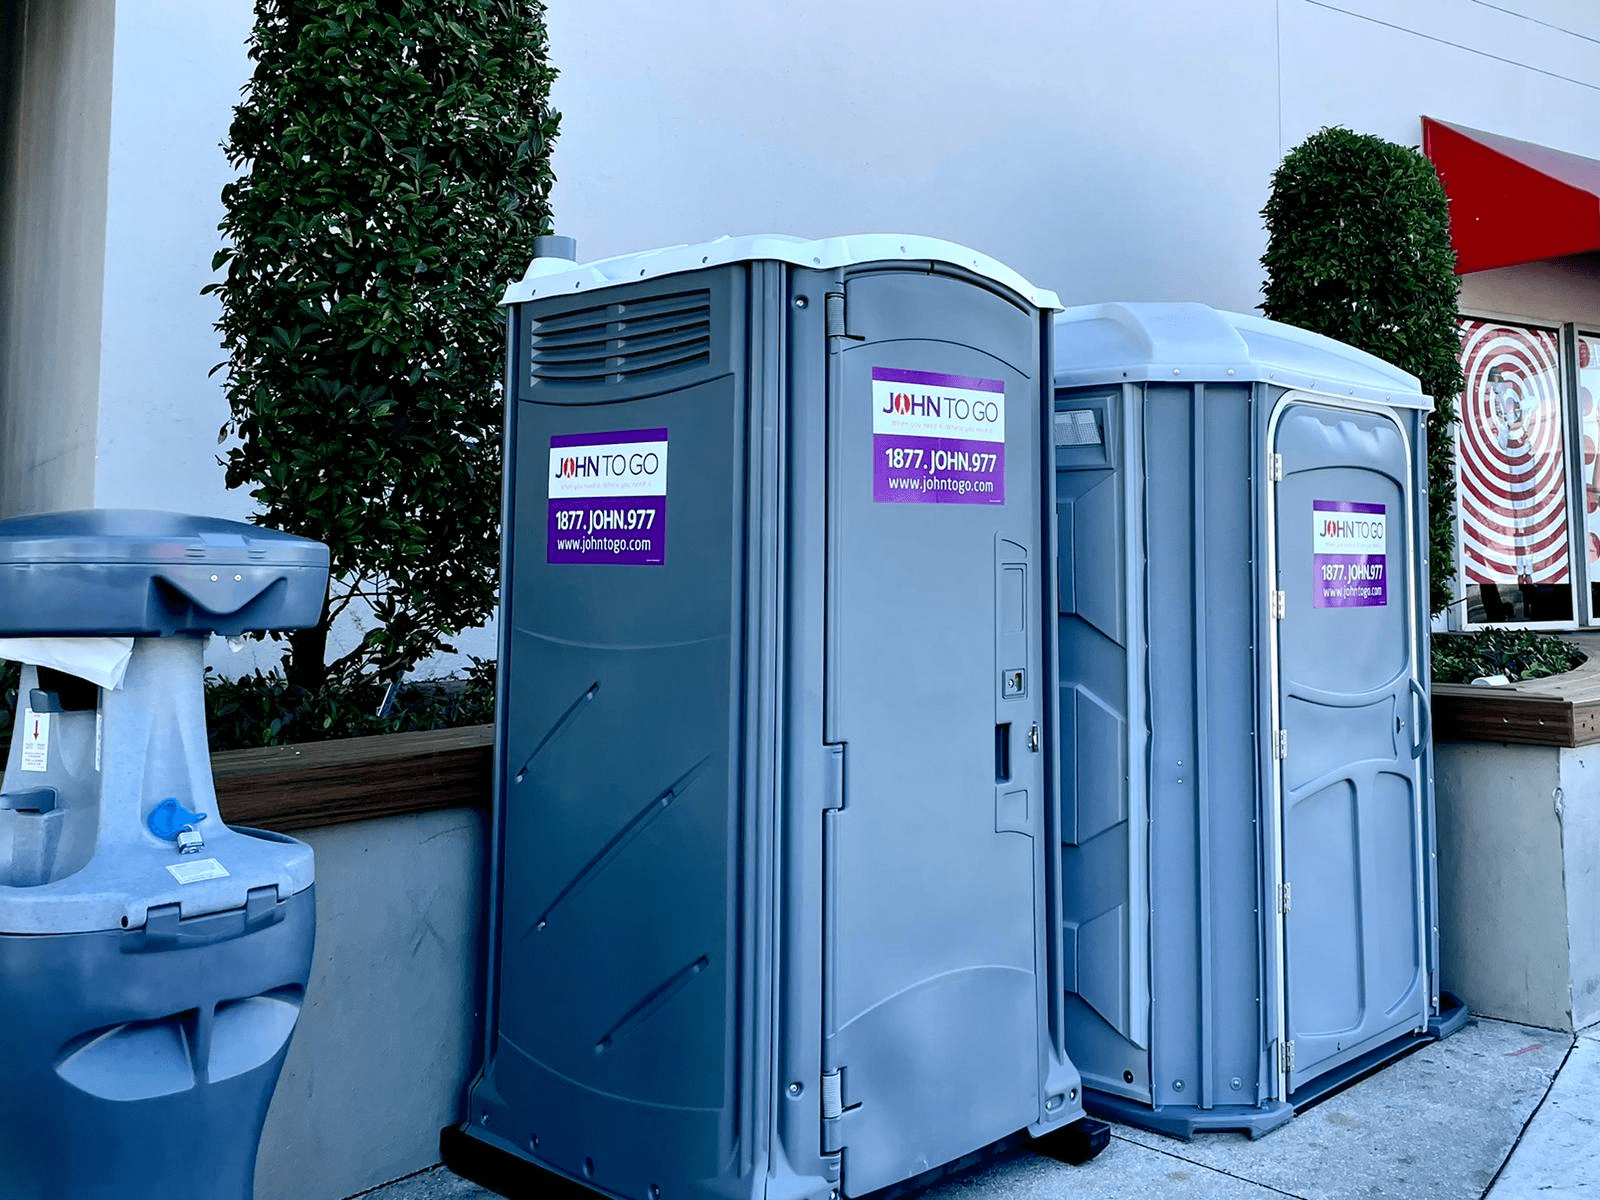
(1358, 248)
(395, 171)
(1517, 654)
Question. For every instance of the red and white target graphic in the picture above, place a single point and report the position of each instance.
(1589, 428)
(1513, 493)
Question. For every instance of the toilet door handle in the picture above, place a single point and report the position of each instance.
(1424, 716)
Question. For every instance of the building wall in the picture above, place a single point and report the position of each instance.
(1540, 293)
(178, 69)
(1107, 151)
(55, 118)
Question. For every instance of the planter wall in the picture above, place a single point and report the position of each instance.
(388, 1037)
(1519, 880)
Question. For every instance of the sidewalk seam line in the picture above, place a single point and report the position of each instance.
(1208, 1167)
(378, 1187)
(1537, 1109)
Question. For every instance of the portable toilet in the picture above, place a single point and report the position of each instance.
(1247, 780)
(774, 817)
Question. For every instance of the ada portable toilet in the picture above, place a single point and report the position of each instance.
(1247, 780)
(774, 792)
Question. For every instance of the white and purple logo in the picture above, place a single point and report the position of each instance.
(608, 498)
(1349, 554)
(937, 439)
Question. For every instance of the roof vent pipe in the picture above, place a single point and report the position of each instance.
(552, 245)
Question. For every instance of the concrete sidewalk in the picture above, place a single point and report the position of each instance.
(1499, 1110)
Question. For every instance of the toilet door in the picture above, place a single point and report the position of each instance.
(1351, 714)
(935, 693)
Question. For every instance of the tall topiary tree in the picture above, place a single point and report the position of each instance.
(395, 172)
(1358, 248)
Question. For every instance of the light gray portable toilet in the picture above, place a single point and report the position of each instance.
(152, 959)
(775, 810)
(1247, 781)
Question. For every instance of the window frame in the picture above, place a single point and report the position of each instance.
(1571, 454)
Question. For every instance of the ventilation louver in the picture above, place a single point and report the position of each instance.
(614, 343)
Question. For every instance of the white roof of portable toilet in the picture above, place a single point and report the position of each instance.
(548, 277)
(1147, 343)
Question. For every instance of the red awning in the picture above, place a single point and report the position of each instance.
(1512, 202)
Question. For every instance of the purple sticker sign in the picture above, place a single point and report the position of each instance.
(1349, 549)
(937, 439)
(608, 498)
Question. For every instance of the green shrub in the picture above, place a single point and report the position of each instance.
(1358, 248)
(1517, 654)
(10, 681)
(268, 710)
(394, 159)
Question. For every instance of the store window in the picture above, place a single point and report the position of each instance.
(1587, 354)
(1514, 546)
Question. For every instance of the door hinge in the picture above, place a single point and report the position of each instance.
(1275, 468)
(1288, 1058)
(832, 1095)
(1280, 744)
(834, 1110)
(1284, 898)
(1033, 737)
(836, 325)
(1280, 605)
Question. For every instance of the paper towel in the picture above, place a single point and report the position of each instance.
(100, 660)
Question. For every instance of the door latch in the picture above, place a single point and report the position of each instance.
(1033, 737)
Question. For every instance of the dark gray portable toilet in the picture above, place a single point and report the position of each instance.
(774, 792)
(153, 960)
(1247, 786)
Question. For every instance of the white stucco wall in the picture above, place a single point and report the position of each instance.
(1107, 151)
(179, 65)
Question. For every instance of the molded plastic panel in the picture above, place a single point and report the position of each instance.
(933, 952)
(1352, 809)
(618, 1037)
(132, 573)
(135, 1073)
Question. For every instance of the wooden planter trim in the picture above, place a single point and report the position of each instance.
(1559, 710)
(355, 779)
